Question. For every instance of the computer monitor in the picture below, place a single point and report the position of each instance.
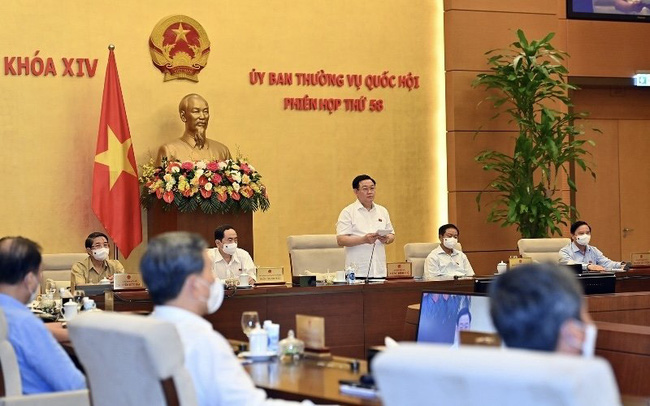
(443, 315)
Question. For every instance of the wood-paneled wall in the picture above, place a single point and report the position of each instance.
(472, 27)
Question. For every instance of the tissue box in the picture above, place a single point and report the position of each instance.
(304, 280)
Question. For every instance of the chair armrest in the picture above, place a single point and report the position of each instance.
(71, 398)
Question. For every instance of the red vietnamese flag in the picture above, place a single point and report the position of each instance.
(116, 197)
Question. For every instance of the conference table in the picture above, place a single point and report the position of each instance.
(357, 317)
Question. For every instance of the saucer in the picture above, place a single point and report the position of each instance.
(264, 356)
(244, 286)
(339, 281)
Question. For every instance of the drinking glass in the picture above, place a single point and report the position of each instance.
(248, 322)
(50, 288)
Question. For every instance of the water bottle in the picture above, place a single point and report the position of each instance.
(351, 276)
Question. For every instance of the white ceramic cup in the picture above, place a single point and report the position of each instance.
(243, 279)
(340, 276)
(258, 342)
(89, 304)
(70, 310)
(502, 267)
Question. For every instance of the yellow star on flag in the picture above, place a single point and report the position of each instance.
(116, 157)
(180, 33)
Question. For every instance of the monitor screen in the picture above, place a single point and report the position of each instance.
(443, 315)
(623, 10)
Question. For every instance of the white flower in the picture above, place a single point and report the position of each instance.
(236, 176)
(208, 186)
(222, 165)
(198, 173)
(175, 169)
(169, 178)
(200, 164)
(236, 186)
(245, 179)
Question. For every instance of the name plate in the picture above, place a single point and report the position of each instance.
(640, 259)
(311, 330)
(398, 270)
(270, 275)
(516, 261)
(127, 281)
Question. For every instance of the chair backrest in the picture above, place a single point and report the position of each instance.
(315, 253)
(416, 374)
(131, 360)
(10, 384)
(417, 252)
(542, 249)
(58, 267)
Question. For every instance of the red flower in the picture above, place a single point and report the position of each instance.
(235, 196)
(245, 168)
(188, 166)
(212, 166)
(159, 193)
(172, 165)
(203, 180)
(216, 179)
(222, 197)
(168, 197)
(187, 192)
(206, 193)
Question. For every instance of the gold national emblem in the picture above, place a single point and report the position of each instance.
(179, 47)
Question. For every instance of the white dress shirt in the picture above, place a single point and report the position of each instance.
(219, 378)
(357, 220)
(439, 263)
(240, 262)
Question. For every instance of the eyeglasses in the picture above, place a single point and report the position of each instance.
(98, 246)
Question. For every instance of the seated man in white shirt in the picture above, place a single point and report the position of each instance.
(178, 273)
(580, 252)
(227, 260)
(446, 260)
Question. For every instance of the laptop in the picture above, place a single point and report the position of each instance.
(445, 315)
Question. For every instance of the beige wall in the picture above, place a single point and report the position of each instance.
(308, 159)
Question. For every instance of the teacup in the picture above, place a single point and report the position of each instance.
(502, 267)
(243, 279)
(89, 304)
(70, 310)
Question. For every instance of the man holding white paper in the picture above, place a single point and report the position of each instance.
(364, 228)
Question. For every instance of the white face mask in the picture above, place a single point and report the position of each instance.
(32, 297)
(230, 249)
(589, 344)
(100, 254)
(450, 242)
(215, 299)
(583, 239)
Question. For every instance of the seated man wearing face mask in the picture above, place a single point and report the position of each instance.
(580, 252)
(227, 260)
(97, 266)
(541, 307)
(178, 273)
(446, 260)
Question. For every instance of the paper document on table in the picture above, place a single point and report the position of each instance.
(383, 233)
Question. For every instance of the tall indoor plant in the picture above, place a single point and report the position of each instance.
(530, 85)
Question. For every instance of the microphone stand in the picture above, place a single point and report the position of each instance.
(370, 264)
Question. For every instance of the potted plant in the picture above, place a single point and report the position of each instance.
(530, 85)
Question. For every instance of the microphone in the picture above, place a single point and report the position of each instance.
(370, 264)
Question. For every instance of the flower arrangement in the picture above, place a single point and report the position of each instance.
(222, 187)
